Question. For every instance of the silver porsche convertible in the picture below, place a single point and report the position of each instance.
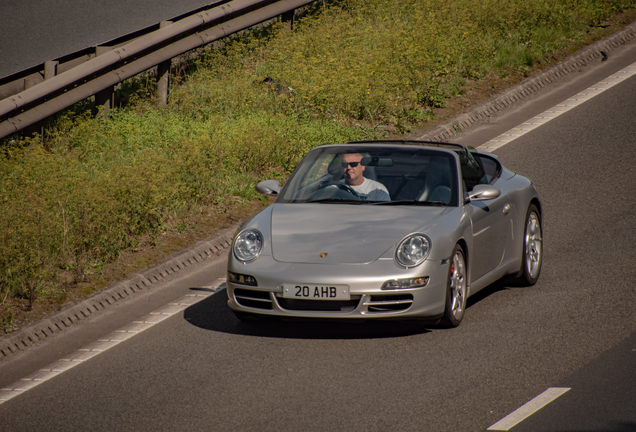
(385, 230)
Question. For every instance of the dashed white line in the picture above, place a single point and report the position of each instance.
(528, 409)
(105, 343)
(559, 109)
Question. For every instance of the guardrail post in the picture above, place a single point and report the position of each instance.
(163, 74)
(37, 127)
(50, 69)
(288, 17)
(106, 97)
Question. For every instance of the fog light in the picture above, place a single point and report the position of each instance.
(405, 283)
(241, 279)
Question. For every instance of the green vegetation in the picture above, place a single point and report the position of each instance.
(95, 186)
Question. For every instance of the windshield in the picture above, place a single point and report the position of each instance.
(351, 174)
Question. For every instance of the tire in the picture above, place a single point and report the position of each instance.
(456, 289)
(532, 257)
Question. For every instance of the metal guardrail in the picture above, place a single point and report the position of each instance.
(16, 82)
(34, 95)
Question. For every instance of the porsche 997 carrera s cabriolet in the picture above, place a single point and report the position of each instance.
(385, 230)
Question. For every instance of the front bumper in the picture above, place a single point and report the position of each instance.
(367, 299)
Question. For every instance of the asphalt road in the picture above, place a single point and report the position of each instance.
(602, 396)
(32, 32)
(201, 369)
(580, 165)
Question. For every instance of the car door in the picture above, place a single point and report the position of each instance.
(490, 218)
(491, 226)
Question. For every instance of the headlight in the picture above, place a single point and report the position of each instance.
(248, 245)
(413, 250)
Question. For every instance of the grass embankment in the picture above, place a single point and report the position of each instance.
(99, 188)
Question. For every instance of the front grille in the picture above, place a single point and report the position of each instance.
(319, 305)
(252, 298)
(389, 303)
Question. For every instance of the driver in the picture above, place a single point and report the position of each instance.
(368, 189)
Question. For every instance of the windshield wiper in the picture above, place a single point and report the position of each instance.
(413, 202)
(334, 200)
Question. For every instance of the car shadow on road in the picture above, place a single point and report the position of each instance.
(503, 284)
(214, 314)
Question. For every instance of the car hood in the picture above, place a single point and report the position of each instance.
(347, 234)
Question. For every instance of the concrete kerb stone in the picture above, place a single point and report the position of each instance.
(56, 322)
(597, 51)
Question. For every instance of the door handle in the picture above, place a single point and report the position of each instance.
(506, 209)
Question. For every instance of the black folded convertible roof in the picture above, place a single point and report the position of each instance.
(450, 146)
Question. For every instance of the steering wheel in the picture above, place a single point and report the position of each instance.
(342, 186)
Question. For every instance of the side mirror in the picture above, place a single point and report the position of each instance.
(268, 188)
(483, 193)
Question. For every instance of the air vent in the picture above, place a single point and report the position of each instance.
(389, 303)
(319, 305)
(253, 299)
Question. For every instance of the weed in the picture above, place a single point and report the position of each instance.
(6, 322)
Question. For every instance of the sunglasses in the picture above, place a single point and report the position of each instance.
(353, 164)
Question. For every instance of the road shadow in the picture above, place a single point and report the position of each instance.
(491, 289)
(614, 426)
(506, 283)
(214, 314)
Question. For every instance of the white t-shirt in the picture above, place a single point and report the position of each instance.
(371, 190)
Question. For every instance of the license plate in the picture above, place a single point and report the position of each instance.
(316, 292)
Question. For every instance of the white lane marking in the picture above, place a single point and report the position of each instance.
(107, 342)
(559, 109)
(528, 409)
